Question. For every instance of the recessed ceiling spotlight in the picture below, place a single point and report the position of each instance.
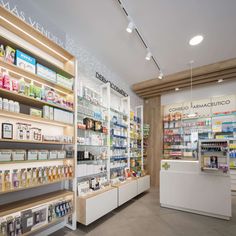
(130, 27)
(220, 80)
(160, 76)
(148, 56)
(176, 89)
(196, 40)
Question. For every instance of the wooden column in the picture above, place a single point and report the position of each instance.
(152, 116)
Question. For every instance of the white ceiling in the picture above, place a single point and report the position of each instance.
(166, 25)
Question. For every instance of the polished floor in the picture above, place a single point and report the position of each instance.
(143, 216)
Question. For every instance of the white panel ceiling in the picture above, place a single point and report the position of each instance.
(166, 25)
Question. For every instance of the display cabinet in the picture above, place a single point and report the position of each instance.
(119, 137)
(136, 141)
(214, 156)
(181, 133)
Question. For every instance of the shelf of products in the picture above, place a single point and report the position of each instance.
(41, 211)
(119, 142)
(181, 134)
(214, 155)
(136, 144)
(37, 118)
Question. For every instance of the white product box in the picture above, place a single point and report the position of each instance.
(32, 155)
(46, 112)
(5, 155)
(18, 155)
(46, 73)
(25, 61)
(51, 113)
(52, 155)
(61, 154)
(63, 116)
(43, 155)
(68, 83)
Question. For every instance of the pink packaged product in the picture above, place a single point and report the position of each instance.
(6, 82)
(14, 85)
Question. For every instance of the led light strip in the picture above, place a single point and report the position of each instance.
(35, 39)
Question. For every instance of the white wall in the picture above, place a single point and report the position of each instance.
(218, 89)
(88, 65)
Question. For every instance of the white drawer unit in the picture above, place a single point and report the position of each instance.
(127, 191)
(94, 206)
(233, 179)
(143, 183)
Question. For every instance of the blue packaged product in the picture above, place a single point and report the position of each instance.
(25, 61)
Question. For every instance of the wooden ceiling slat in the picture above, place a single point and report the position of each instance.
(182, 83)
(203, 75)
(195, 85)
(187, 80)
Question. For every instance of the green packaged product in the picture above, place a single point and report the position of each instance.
(37, 92)
(31, 89)
(27, 86)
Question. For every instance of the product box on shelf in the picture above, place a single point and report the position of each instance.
(61, 154)
(2, 52)
(32, 155)
(18, 155)
(68, 83)
(46, 73)
(35, 112)
(25, 61)
(10, 55)
(43, 155)
(53, 155)
(5, 155)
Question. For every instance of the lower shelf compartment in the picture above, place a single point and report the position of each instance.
(22, 205)
(96, 205)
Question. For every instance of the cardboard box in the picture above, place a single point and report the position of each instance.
(53, 155)
(42, 155)
(5, 155)
(25, 61)
(65, 82)
(10, 55)
(18, 155)
(46, 73)
(32, 155)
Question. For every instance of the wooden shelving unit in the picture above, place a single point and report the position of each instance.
(19, 35)
(33, 161)
(18, 71)
(27, 100)
(21, 205)
(34, 142)
(34, 186)
(21, 116)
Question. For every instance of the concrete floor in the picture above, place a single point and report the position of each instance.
(144, 216)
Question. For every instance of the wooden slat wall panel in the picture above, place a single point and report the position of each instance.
(152, 116)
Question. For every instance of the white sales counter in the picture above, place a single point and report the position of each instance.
(183, 186)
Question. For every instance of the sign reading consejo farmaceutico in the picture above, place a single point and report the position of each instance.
(112, 85)
(204, 106)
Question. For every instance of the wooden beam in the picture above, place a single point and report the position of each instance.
(187, 80)
(166, 92)
(152, 116)
(183, 84)
(200, 72)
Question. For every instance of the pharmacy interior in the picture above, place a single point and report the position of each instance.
(71, 148)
